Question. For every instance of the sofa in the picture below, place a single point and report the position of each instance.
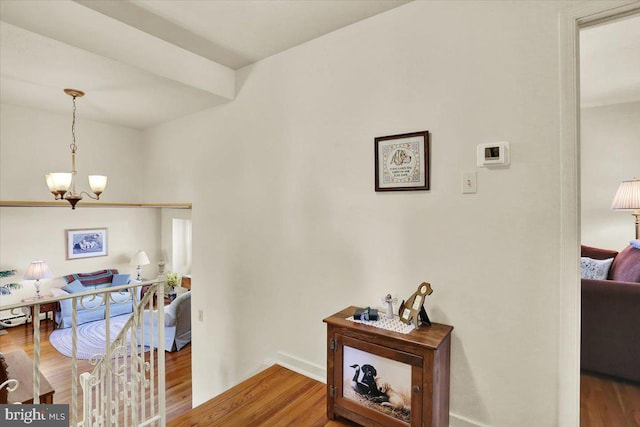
(91, 308)
(177, 324)
(610, 334)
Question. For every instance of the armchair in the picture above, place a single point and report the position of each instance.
(177, 324)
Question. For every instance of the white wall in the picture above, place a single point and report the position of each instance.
(34, 142)
(610, 154)
(287, 228)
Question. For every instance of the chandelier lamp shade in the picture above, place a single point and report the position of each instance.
(63, 184)
(139, 259)
(628, 198)
(38, 270)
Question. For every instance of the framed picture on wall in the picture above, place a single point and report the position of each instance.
(402, 162)
(86, 243)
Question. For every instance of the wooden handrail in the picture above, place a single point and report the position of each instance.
(61, 204)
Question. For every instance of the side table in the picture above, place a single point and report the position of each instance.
(45, 307)
(20, 367)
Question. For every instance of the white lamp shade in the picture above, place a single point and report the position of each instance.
(627, 196)
(97, 183)
(140, 258)
(38, 270)
(58, 181)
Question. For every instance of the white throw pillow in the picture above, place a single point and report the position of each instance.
(595, 268)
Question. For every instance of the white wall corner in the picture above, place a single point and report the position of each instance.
(303, 367)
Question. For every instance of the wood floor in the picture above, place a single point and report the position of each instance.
(275, 397)
(280, 397)
(606, 402)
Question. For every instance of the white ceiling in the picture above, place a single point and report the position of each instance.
(144, 62)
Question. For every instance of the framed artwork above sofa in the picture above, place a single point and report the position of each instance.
(86, 243)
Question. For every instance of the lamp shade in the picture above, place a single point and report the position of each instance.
(59, 181)
(38, 270)
(140, 258)
(627, 196)
(97, 183)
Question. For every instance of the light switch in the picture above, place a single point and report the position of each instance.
(469, 182)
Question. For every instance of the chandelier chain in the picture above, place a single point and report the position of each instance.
(73, 128)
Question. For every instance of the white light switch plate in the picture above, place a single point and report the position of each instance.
(469, 182)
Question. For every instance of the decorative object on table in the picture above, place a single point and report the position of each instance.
(139, 259)
(413, 310)
(63, 184)
(402, 162)
(394, 324)
(38, 270)
(365, 314)
(86, 243)
(161, 265)
(628, 198)
(8, 287)
(389, 301)
(173, 280)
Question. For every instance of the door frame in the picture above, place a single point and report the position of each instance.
(571, 20)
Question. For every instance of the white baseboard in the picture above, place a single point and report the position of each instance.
(303, 367)
(460, 421)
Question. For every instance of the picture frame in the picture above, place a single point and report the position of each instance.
(402, 162)
(86, 243)
(396, 372)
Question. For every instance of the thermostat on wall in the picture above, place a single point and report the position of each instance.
(493, 154)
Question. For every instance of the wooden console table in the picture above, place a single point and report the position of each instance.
(20, 367)
(415, 365)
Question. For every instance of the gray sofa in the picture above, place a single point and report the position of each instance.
(91, 308)
(177, 324)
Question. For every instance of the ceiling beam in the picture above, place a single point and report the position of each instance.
(73, 23)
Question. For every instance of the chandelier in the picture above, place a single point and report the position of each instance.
(62, 184)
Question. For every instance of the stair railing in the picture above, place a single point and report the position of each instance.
(127, 384)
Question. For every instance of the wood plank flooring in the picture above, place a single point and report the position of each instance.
(276, 397)
(607, 402)
(280, 397)
(57, 367)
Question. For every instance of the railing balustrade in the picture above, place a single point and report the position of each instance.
(126, 386)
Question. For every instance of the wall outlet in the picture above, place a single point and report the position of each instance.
(469, 182)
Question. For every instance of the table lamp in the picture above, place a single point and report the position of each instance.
(140, 258)
(38, 270)
(628, 198)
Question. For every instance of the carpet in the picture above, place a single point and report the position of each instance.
(91, 337)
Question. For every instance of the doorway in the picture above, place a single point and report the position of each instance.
(609, 153)
(571, 21)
